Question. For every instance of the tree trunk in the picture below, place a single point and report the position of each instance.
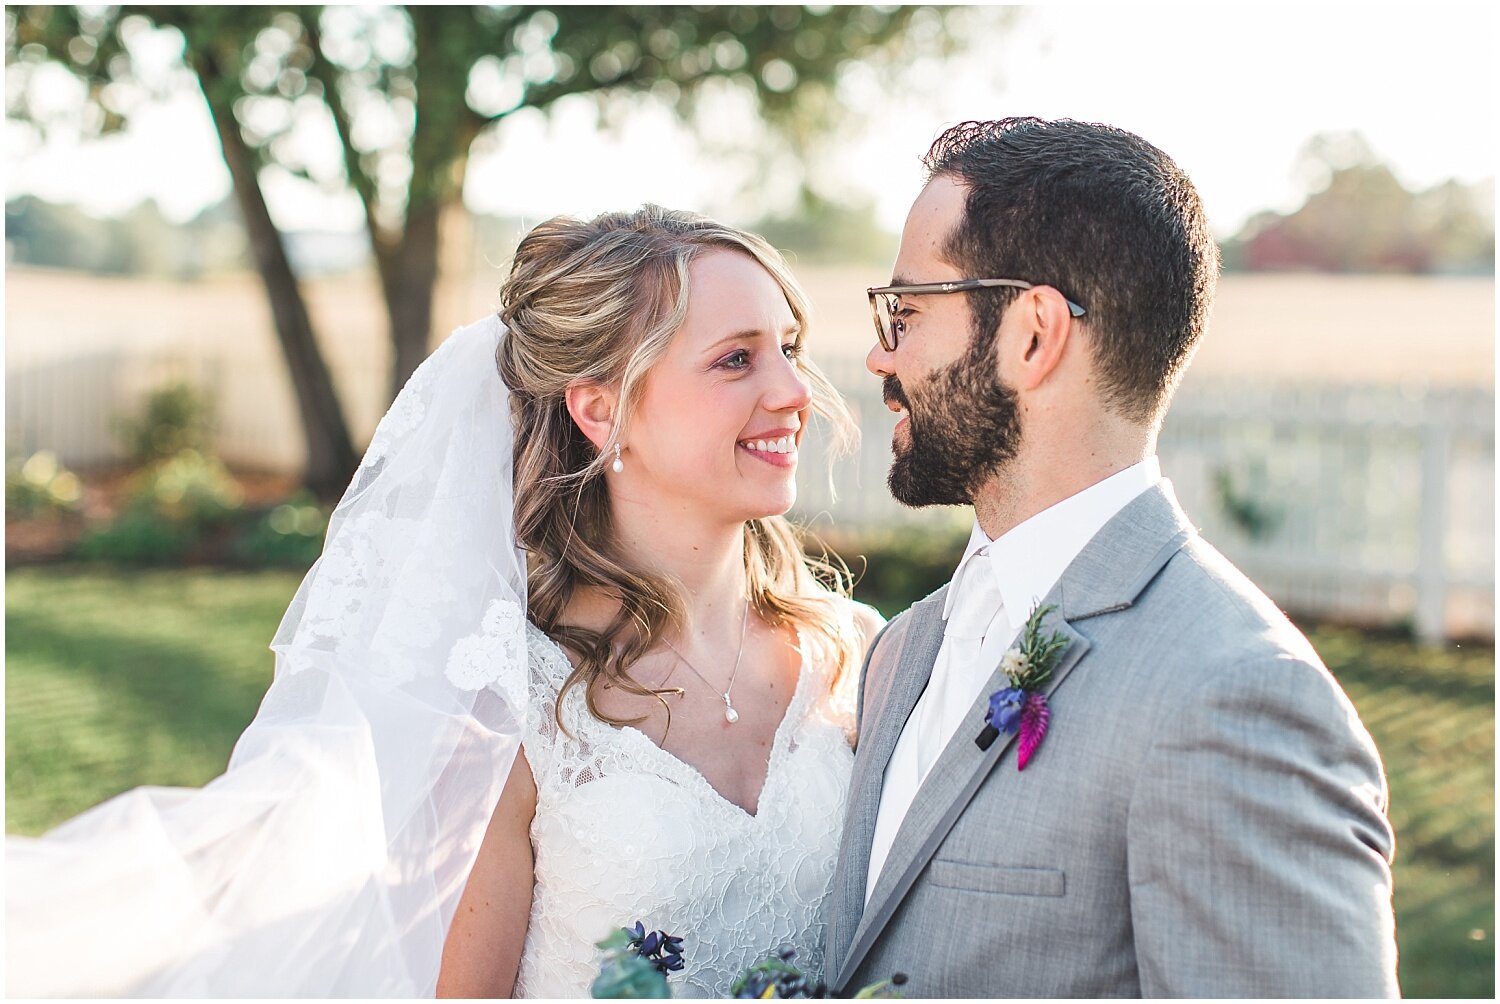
(443, 128)
(411, 283)
(331, 459)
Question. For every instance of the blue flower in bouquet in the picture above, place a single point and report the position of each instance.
(636, 963)
(662, 950)
(776, 978)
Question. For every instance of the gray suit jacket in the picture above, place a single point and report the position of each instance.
(1205, 818)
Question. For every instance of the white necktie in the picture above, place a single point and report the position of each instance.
(974, 612)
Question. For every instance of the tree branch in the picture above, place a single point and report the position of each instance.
(322, 70)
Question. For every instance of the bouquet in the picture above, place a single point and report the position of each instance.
(636, 962)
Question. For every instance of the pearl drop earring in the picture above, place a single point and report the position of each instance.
(618, 465)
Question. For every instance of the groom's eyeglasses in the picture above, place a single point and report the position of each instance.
(885, 303)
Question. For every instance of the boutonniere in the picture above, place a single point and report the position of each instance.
(1022, 707)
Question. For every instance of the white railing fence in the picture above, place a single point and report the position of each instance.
(73, 405)
(1371, 503)
(1368, 503)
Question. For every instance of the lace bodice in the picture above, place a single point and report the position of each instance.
(625, 831)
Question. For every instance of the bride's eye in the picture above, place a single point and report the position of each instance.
(736, 360)
(792, 350)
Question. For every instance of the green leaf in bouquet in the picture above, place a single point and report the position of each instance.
(884, 990)
(628, 976)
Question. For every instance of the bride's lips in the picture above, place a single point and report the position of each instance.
(777, 447)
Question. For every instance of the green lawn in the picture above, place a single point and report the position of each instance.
(120, 679)
(113, 680)
(1432, 714)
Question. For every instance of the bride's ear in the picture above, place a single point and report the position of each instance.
(592, 406)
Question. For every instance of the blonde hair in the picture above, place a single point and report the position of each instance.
(600, 300)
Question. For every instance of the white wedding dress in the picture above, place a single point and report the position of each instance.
(624, 831)
(329, 858)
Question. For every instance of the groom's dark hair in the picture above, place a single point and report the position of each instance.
(1107, 219)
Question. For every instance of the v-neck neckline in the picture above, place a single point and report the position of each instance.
(778, 746)
(694, 776)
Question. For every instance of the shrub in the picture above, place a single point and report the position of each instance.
(175, 418)
(173, 510)
(893, 569)
(140, 537)
(189, 487)
(290, 535)
(40, 486)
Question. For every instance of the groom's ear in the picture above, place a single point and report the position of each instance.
(1040, 329)
(592, 405)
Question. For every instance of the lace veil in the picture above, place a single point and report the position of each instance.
(329, 857)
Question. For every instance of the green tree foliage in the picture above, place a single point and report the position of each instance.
(823, 231)
(142, 242)
(1359, 217)
(408, 91)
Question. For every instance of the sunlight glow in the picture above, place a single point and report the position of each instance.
(1232, 93)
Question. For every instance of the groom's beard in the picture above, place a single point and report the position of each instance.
(962, 427)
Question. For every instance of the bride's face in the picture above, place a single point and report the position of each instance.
(723, 410)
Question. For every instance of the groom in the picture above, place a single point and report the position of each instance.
(1204, 814)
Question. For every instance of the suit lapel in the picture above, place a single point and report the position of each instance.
(1108, 575)
(944, 794)
(889, 701)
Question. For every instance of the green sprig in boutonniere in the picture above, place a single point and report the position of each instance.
(1022, 707)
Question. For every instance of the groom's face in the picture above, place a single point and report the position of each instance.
(959, 422)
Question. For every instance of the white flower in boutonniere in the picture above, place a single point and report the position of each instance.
(1013, 663)
(1022, 707)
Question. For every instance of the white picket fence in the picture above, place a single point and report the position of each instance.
(73, 404)
(1368, 503)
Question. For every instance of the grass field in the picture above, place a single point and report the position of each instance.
(116, 679)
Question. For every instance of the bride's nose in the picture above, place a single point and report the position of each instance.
(790, 390)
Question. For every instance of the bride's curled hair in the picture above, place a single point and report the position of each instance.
(600, 300)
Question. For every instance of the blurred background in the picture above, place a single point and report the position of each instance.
(231, 233)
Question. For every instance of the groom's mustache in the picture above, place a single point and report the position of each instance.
(893, 392)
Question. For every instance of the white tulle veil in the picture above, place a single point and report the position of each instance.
(329, 857)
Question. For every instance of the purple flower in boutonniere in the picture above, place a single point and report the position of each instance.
(1022, 707)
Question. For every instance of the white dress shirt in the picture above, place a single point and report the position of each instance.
(993, 592)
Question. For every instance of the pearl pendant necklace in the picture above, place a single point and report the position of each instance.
(730, 715)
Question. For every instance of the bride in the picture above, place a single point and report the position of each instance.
(490, 743)
(682, 763)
